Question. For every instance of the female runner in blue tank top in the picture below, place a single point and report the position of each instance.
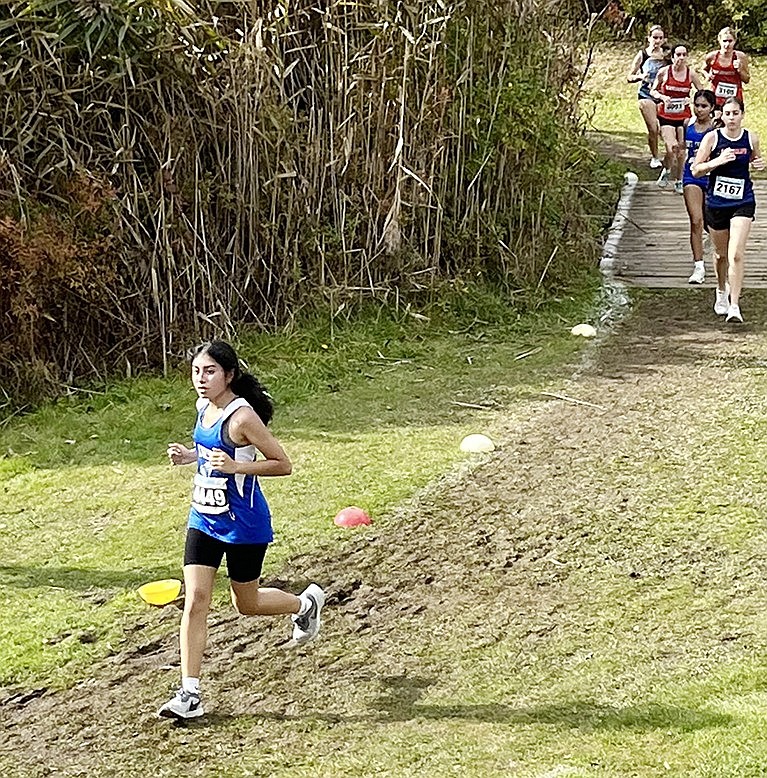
(229, 515)
(644, 69)
(724, 156)
(704, 103)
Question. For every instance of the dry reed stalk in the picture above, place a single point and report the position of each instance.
(357, 147)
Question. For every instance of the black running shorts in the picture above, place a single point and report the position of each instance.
(719, 218)
(243, 560)
(670, 122)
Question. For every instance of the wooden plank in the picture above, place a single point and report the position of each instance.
(654, 249)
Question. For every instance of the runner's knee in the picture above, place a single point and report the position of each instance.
(196, 600)
(246, 605)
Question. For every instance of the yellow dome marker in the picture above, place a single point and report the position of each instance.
(160, 593)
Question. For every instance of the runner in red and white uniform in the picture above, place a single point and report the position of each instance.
(727, 69)
(672, 86)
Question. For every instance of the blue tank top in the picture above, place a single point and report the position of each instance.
(692, 139)
(650, 68)
(228, 507)
(730, 185)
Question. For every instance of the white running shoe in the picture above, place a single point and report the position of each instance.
(722, 303)
(655, 163)
(698, 274)
(679, 187)
(663, 178)
(184, 705)
(307, 626)
(734, 315)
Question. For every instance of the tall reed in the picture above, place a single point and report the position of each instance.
(169, 172)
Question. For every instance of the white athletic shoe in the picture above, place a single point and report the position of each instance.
(722, 302)
(307, 626)
(734, 315)
(698, 275)
(679, 187)
(655, 163)
(184, 705)
(663, 178)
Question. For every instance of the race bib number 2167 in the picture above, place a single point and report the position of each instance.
(729, 188)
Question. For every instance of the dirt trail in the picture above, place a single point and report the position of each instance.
(453, 561)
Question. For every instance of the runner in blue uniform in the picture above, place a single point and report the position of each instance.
(704, 102)
(644, 69)
(725, 155)
(229, 515)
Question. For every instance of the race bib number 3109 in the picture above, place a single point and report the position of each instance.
(210, 495)
(724, 89)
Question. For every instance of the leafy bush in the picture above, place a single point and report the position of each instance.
(701, 20)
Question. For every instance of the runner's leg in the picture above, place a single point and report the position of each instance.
(649, 111)
(693, 200)
(198, 590)
(740, 228)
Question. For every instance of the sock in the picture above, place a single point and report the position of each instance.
(698, 263)
(191, 685)
(305, 606)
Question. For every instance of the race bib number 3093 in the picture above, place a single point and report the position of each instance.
(676, 106)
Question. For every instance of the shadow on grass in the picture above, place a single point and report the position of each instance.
(584, 715)
(581, 715)
(79, 579)
(400, 703)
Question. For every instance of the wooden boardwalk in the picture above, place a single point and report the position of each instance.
(652, 246)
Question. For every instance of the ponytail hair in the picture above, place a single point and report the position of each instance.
(242, 384)
(736, 101)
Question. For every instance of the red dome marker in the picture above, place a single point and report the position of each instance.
(351, 517)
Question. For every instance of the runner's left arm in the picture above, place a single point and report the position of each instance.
(246, 428)
(703, 163)
(743, 66)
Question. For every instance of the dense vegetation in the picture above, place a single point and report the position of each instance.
(170, 171)
(693, 20)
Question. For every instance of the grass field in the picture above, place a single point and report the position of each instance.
(588, 603)
(369, 414)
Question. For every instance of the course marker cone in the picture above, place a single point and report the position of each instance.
(477, 444)
(351, 517)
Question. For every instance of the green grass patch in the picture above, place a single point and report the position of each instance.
(371, 409)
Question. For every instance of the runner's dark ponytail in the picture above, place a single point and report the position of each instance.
(242, 384)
